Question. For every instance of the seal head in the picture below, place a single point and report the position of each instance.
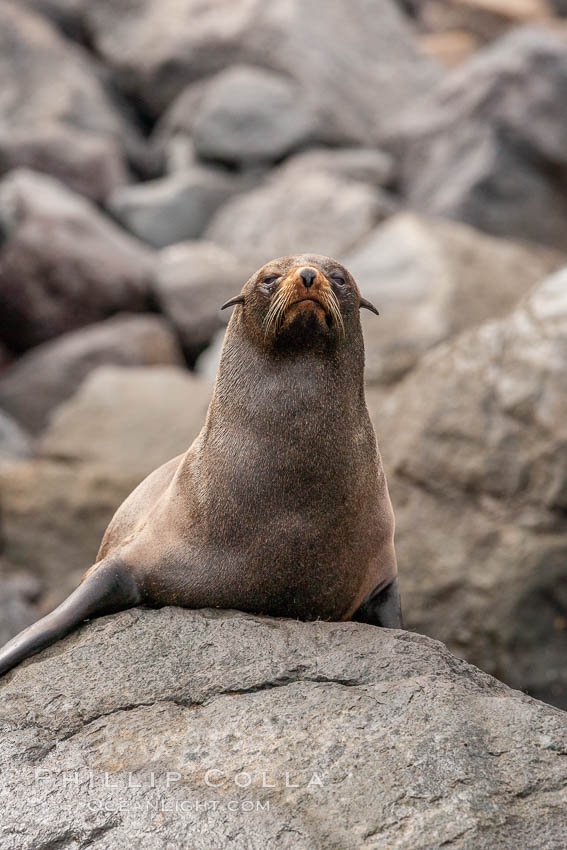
(308, 299)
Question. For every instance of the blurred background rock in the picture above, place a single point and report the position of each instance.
(152, 155)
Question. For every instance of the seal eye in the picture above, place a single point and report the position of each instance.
(269, 281)
(338, 278)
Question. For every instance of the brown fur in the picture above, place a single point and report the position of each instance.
(280, 506)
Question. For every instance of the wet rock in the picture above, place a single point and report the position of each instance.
(320, 723)
(52, 372)
(62, 263)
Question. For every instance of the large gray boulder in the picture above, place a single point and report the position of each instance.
(431, 279)
(272, 733)
(88, 164)
(299, 209)
(173, 208)
(488, 145)
(121, 425)
(192, 281)
(355, 64)
(50, 373)
(242, 116)
(62, 263)
(475, 444)
(129, 421)
(55, 102)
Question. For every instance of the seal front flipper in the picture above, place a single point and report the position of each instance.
(107, 587)
(382, 608)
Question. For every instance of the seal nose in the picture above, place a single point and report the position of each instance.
(307, 276)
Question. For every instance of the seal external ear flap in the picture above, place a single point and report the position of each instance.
(368, 306)
(238, 299)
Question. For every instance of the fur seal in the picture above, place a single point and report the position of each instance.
(280, 506)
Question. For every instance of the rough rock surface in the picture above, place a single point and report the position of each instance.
(173, 208)
(299, 210)
(431, 279)
(477, 465)
(120, 426)
(275, 733)
(50, 87)
(14, 442)
(193, 280)
(243, 115)
(294, 37)
(488, 145)
(62, 264)
(50, 373)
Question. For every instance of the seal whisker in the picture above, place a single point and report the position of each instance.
(333, 306)
(277, 309)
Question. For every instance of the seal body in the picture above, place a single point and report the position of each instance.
(280, 506)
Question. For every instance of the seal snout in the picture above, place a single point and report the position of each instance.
(307, 276)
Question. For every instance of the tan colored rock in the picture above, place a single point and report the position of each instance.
(121, 425)
(485, 19)
(128, 421)
(451, 48)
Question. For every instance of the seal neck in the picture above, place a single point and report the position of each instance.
(262, 382)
